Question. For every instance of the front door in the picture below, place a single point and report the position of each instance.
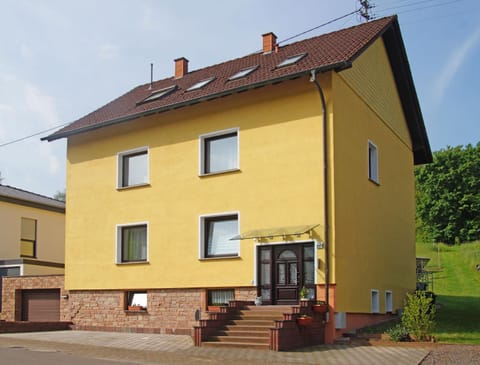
(283, 270)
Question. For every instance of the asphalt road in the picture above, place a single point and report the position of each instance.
(21, 356)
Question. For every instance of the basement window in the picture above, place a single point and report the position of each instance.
(200, 84)
(291, 60)
(155, 95)
(220, 296)
(136, 300)
(243, 73)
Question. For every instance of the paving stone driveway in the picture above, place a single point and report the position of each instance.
(174, 349)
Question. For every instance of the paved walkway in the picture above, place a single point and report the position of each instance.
(174, 349)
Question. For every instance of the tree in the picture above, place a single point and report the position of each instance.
(448, 195)
(60, 195)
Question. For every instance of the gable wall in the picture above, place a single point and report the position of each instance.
(374, 230)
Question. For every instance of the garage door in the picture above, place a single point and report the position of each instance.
(41, 305)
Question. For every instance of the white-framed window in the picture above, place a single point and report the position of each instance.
(132, 243)
(375, 301)
(132, 167)
(388, 301)
(219, 151)
(136, 299)
(215, 233)
(372, 162)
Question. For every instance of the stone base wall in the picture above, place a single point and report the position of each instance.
(169, 311)
(12, 294)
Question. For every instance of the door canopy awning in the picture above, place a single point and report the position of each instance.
(275, 232)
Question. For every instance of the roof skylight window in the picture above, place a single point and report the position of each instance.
(158, 94)
(243, 73)
(291, 60)
(200, 84)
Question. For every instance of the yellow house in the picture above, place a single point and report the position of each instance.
(32, 234)
(249, 180)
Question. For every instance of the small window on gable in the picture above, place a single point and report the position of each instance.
(216, 232)
(375, 301)
(219, 152)
(243, 73)
(388, 301)
(158, 94)
(28, 237)
(132, 168)
(372, 162)
(291, 60)
(200, 84)
(136, 300)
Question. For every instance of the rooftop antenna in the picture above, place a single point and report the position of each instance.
(151, 76)
(364, 11)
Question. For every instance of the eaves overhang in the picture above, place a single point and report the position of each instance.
(59, 135)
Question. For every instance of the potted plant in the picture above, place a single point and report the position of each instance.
(320, 306)
(304, 320)
(216, 307)
(303, 293)
(135, 307)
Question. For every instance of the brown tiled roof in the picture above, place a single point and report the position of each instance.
(23, 197)
(335, 50)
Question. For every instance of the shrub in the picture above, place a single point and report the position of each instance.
(398, 333)
(419, 315)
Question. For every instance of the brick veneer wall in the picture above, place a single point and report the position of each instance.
(173, 311)
(170, 311)
(12, 298)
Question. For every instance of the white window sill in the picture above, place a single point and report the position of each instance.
(133, 186)
(219, 258)
(374, 181)
(219, 172)
(132, 263)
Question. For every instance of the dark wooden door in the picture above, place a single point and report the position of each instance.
(288, 272)
(283, 270)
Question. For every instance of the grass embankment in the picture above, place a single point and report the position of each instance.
(457, 285)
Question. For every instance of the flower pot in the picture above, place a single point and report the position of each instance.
(215, 308)
(320, 308)
(135, 308)
(304, 321)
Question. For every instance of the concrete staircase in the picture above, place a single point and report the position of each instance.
(250, 328)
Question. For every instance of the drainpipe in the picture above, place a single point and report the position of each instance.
(325, 183)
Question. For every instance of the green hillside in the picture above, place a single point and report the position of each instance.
(457, 284)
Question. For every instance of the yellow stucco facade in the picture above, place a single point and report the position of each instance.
(279, 182)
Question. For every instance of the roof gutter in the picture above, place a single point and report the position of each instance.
(337, 67)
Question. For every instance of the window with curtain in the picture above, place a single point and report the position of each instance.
(217, 233)
(133, 243)
(28, 237)
(219, 152)
(220, 296)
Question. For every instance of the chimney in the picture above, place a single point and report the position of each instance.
(269, 42)
(181, 67)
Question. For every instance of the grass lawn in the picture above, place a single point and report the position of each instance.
(457, 285)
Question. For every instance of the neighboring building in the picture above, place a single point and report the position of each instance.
(161, 179)
(32, 241)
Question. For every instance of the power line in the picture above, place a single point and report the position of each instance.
(32, 135)
(414, 6)
(319, 26)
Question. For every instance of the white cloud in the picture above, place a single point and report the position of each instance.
(41, 105)
(107, 51)
(453, 65)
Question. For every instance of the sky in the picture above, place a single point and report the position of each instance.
(62, 59)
